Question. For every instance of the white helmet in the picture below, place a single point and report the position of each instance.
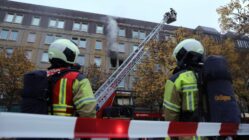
(186, 46)
(63, 49)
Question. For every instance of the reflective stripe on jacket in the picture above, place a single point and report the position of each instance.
(180, 95)
(63, 95)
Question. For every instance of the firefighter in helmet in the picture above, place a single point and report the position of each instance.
(71, 93)
(181, 92)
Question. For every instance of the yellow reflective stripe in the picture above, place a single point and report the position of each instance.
(62, 114)
(79, 103)
(190, 101)
(63, 90)
(189, 88)
(187, 100)
(62, 105)
(59, 107)
(171, 106)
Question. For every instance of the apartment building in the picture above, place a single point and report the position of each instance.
(104, 40)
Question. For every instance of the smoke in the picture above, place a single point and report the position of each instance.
(112, 30)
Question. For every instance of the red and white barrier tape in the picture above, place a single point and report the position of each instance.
(17, 125)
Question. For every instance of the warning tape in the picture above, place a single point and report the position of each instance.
(17, 125)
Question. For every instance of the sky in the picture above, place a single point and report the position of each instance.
(190, 13)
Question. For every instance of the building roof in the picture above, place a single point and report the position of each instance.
(207, 29)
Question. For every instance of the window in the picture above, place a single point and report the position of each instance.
(28, 54)
(138, 34)
(123, 101)
(44, 57)
(134, 47)
(18, 19)
(4, 34)
(77, 26)
(13, 35)
(36, 21)
(31, 37)
(9, 52)
(121, 32)
(52, 23)
(141, 35)
(121, 47)
(81, 42)
(98, 45)
(99, 29)
(9, 34)
(97, 61)
(9, 17)
(55, 23)
(14, 18)
(134, 34)
(84, 27)
(49, 38)
(81, 60)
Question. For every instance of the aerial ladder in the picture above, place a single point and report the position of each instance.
(107, 89)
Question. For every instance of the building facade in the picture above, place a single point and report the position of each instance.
(104, 40)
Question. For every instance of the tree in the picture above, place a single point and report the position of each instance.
(156, 67)
(96, 75)
(235, 16)
(12, 69)
(152, 72)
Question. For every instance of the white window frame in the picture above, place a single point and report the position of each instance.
(44, 57)
(31, 37)
(82, 27)
(56, 24)
(81, 60)
(78, 40)
(53, 38)
(142, 35)
(98, 45)
(85, 42)
(121, 32)
(134, 48)
(15, 37)
(36, 20)
(135, 34)
(10, 35)
(5, 37)
(100, 29)
(16, 18)
(121, 47)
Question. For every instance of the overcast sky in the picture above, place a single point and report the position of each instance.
(191, 13)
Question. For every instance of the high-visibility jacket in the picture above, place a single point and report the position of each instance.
(180, 95)
(73, 92)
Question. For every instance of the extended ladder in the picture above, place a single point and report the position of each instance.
(107, 89)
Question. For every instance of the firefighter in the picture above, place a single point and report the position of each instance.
(181, 92)
(72, 93)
